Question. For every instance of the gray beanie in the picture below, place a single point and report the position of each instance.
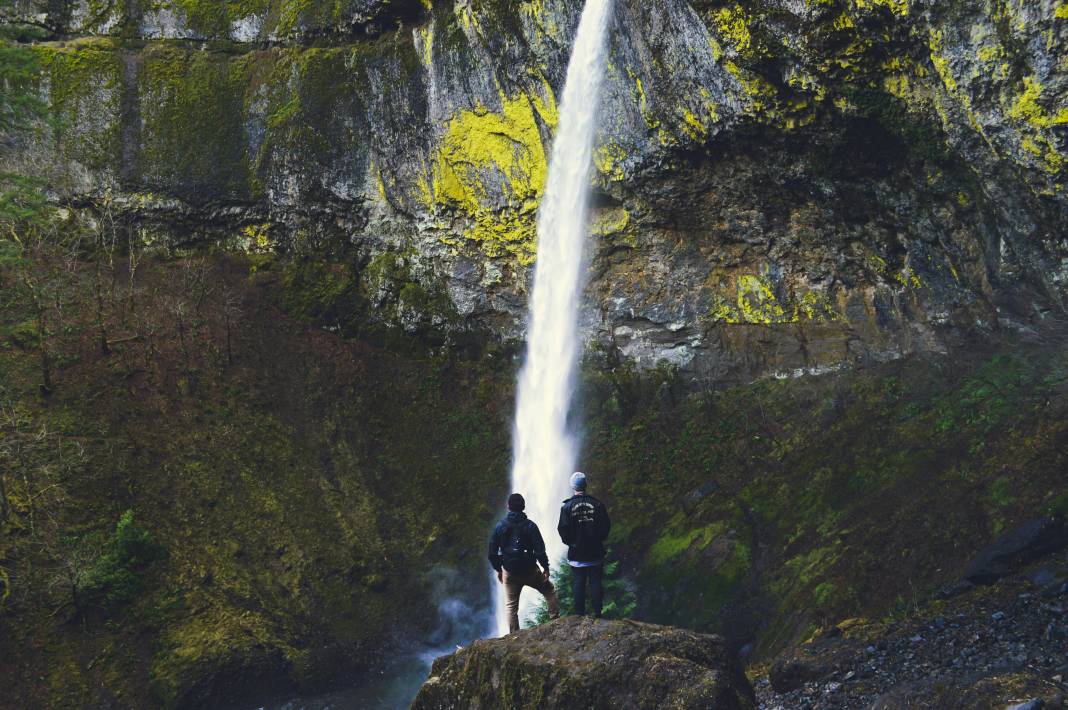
(578, 481)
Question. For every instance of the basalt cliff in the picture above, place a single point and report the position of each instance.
(263, 280)
(859, 179)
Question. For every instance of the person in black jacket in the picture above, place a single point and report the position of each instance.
(584, 526)
(516, 548)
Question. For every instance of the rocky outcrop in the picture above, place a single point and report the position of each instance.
(999, 647)
(783, 187)
(1018, 547)
(578, 662)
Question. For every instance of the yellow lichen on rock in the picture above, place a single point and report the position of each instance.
(424, 42)
(380, 183)
(754, 303)
(936, 44)
(762, 96)
(898, 7)
(468, 21)
(843, 22)
(693, 126)
(732, 25)
(643, 102)
(492, 166)
(534, 10)
(1027, 109)
(909, 279)
(256, 238)
(906, 80)
(609, 159)
(611, 220)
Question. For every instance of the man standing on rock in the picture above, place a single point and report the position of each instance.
(515, 550)
(584, 527)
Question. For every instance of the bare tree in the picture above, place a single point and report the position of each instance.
(74, 559)
(37, 276)
(104, 239)
(36, 464)
(231, 307)
(134, 254)
(180, 310)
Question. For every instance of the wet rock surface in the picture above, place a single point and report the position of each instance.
(578, 662)
(1016, 547)
(992, 647)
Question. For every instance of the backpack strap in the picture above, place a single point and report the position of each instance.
(517, 530)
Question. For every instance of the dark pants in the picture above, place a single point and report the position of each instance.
(579, 575)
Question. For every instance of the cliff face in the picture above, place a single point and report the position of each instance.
(782, 186)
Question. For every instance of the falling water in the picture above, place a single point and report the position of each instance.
(545, 449)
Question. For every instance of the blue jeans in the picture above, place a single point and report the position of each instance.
(579, 576)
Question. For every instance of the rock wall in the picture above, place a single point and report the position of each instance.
(783, 186)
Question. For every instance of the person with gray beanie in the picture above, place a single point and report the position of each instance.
(584, 526)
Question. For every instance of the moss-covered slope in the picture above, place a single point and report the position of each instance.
(768, 510)
(302, 489)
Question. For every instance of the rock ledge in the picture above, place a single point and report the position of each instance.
(586, 663)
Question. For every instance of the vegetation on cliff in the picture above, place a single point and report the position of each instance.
(771, 509)
(281, 485)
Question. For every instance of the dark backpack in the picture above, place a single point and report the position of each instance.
(516, 552)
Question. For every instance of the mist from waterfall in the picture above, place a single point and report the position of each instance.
(544, 451)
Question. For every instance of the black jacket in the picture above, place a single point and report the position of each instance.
(530, 540)
(584, 526)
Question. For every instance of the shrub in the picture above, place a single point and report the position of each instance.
(115, 577)
(619, 601)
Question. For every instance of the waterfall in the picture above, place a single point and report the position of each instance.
(544, 449)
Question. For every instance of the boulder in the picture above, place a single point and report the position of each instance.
(1017, 547)
(691, 499)
(1033, 704)
(790, 674)
(578, 662)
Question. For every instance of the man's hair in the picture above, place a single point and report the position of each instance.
(516, 502)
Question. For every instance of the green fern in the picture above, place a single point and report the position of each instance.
(619, 599)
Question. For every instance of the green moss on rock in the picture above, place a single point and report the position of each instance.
(193, 138)
(85, 94)
(577, 662)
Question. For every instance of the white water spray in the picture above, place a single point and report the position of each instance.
(544, 450)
